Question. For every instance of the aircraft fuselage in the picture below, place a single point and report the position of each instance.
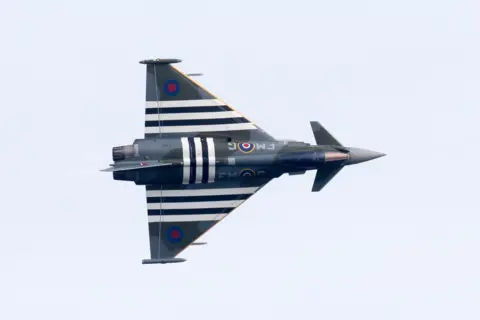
(206, 160)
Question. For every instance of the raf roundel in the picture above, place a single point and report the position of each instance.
(175, 234)
(247, 173)
(246, 147)
(171, 87)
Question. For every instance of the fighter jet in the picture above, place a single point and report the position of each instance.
(200, 159)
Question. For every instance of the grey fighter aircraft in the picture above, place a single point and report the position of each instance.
(200, 159)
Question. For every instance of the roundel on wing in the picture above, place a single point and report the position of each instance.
(175, 234)
(247, 173)
(171, 87)
(246, 147)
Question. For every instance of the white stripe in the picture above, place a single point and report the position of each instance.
(204, 128)
(200, 192)
(195, 205)
(211, 160)
(192, 116)
(186, 160)
(187, 217)
(184, 103)
(199, 159)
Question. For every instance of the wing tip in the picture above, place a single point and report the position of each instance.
(163, 261)
(160, 61)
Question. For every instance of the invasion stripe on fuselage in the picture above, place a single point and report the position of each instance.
(186, 161)
(186, 218)
(212, 162)
(187, 109)
(193, 160)
(198, 160)
(203, 142)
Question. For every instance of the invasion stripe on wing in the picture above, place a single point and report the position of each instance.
(198, 198)
(187, 109)
(184, 103)
(201, 128)
(156, 212)
(181, 218)
(192, 116)
(195, 205)
(152, 192)
(195, 122)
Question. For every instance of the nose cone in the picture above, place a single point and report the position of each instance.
(357, 155)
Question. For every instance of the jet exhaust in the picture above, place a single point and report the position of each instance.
(124, 152)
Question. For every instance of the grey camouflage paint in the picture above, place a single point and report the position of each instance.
(180, 210)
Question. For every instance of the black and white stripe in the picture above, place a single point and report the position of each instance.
(211, 160)
(194, 204)
(199, 160)
(186, 160)
(205, 115)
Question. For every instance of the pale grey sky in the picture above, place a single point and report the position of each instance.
(395, 238)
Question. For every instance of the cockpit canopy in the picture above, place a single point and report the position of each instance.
(295, 143)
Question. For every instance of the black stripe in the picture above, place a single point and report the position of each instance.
(205, 160)
(198, 198)
(195, 122)
(222, 184)
(193, 160)
(187, 109)
(167, 212)
(152, 123)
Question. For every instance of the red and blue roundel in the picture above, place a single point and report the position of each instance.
(171, 87)
(175, 234)
(247, 173)
(246, 147)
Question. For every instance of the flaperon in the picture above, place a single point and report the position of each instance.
(200, 159)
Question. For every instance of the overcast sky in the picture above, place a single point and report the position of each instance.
(394, 238)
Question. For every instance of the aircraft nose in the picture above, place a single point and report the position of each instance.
(357, 155)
